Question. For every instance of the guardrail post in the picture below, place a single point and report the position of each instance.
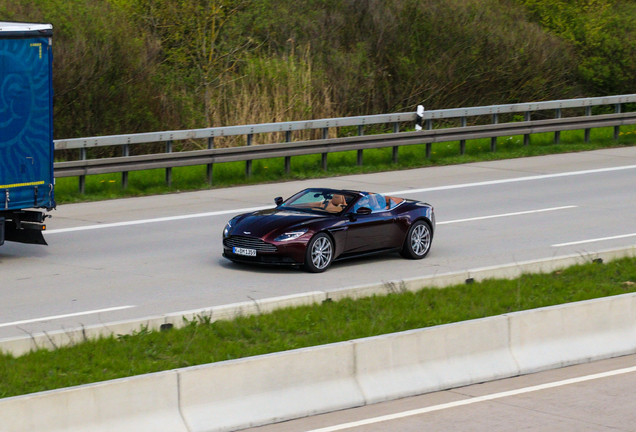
(396, 129)
(287, 158)
(82, 178)
(526, 137)
(462, 143)
(325, 135)
(588, 112)
(617, 129)
(429, 146)
(557, 134)
(125, 152)
(169, 170)
(248, 163)
(360, 133)
(493, 140)
(210, 167)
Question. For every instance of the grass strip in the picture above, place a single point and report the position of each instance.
(204, 341)
(152, 182)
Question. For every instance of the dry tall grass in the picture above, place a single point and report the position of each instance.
(118, 71)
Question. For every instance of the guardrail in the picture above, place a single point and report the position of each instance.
(288, 149)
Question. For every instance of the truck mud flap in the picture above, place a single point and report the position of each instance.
(29, 233)
(1, 231)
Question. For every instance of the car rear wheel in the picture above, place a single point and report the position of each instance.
(418, 241)
(319, 253)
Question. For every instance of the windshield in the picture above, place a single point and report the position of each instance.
(319, 201)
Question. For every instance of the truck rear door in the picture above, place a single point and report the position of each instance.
(26, 135)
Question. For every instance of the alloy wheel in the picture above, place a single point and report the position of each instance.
(420, 239)
(321, 253)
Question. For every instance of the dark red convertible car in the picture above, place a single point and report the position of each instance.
(315, 227)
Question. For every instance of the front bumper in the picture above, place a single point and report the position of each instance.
(276, 253)
(268, 259)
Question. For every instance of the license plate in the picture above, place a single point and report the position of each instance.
(244, 252)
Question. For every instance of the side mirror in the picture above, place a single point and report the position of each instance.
(278, 201)
(363, 211)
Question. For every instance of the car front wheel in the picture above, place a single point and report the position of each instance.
(319, 253)
(418, 241)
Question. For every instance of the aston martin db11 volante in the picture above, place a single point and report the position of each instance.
(315, 227)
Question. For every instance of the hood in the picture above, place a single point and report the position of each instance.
(261, 223)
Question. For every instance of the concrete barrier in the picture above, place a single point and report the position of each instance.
(138, 404)
(271, 388)
(265, 389)
(572, 333)
(421, 361)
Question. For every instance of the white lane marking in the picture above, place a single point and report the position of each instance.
(402, 192)
(65, 316)
(163, 219)
(506, 215)
(595, 240)
(513, 180)
(474, 400)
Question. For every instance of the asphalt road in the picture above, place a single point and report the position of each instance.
(599, 396)
(132, 258)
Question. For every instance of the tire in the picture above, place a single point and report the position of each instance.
(418, 241)
(319, 254)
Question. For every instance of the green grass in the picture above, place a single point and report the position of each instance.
(151, 182)
(205, 342)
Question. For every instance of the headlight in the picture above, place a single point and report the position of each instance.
(292, 235)
(228, 227)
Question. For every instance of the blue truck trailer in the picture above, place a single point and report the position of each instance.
(26, 131)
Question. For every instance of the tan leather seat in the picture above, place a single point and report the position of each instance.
(338, 200)
(336, 204)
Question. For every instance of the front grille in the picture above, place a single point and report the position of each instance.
(249, 243)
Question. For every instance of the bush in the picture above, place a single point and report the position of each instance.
(124, 66)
